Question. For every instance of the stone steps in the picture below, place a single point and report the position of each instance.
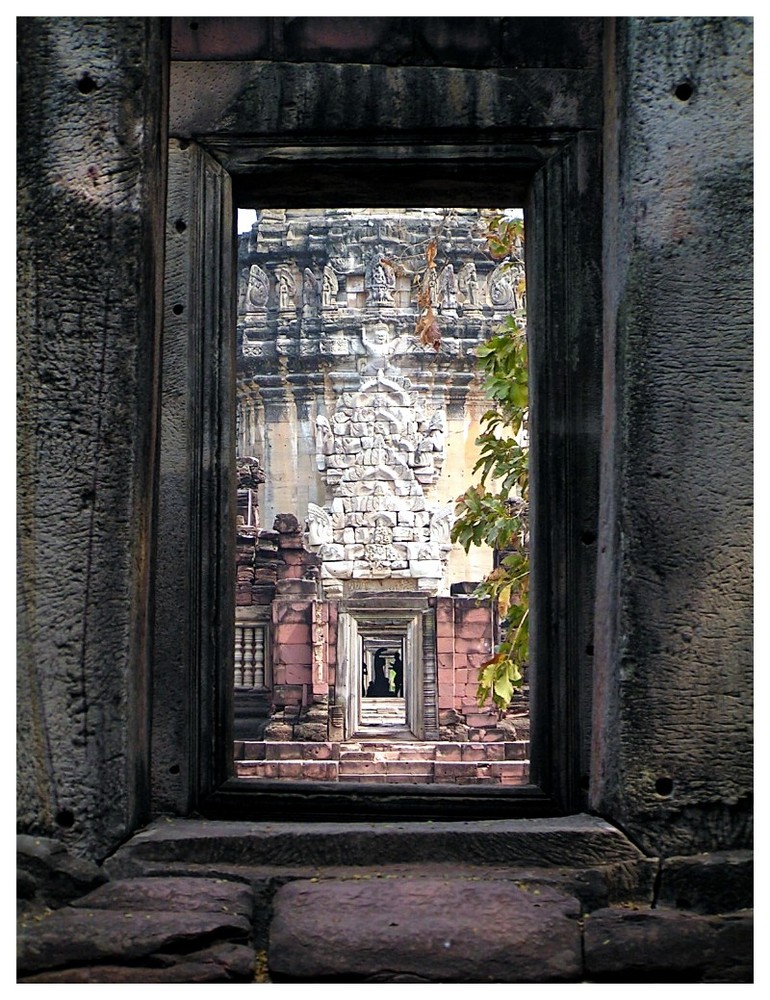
(380, 760)
(565, 899)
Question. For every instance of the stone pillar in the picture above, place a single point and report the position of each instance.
(92, 109)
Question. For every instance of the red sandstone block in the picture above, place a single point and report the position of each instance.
(293, 557)
(369, 767)
(292, 632)
(280, 751)
(450, 769)
(517, 750)
(474, 636)
(475, 613)
(476, 661)
(448, 752)
(298, 673)
(243, 598)
(293, 652)
(418, 767)
(444, 609)
(493, 736)
(291, 611)
(473, 752)
(320, 770)
(473, 646)
(462, 678)
(445, 644)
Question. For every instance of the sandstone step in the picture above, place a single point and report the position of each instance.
(569, 841)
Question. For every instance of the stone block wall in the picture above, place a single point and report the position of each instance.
(671, 721)
(464, 640)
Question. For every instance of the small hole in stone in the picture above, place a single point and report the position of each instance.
(590, 649)
(184, 143)
(584, 782)
(177, 310)
(684, 91)
(180, 225)
(86, 85)
(174, 769)
(193, 25)
(588, 537)
(664, 786)
(65, 818)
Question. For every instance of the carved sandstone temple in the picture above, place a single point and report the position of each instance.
(354, 614)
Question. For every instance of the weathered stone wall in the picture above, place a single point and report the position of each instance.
(91, 174)
(672, 646)
(672, 739)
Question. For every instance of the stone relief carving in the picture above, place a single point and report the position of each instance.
(329, 288)
(502, 287)
(287, 288)
(319, 526)
(380, 283)
(311, 292)
(379, 452)
(257, 291)
(468, 284)
(447, 284)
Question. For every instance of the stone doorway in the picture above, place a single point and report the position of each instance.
(384, 675)
(365, 432)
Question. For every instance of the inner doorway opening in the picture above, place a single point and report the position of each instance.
(359, 404)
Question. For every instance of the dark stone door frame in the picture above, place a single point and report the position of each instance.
(558, 179)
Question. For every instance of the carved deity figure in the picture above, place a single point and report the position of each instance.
(381, 282)
(329, 288)
(257, 290)
(448, 288)
(380, 551)
(310, 290)
(469, 284)
(286, 288)
(324, 441)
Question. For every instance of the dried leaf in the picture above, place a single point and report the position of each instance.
(431, 333)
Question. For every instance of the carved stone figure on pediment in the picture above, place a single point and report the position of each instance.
(430, 283)
(441, 526)
(324, 441)
(319, 526)
(257, 290)
(311, 291)
(287, 288)
(502, 294)
(379, 551)
(329, 288)
(468, 284)
(380, 283)
(447, 284)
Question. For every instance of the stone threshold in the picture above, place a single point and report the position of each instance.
(573, 841)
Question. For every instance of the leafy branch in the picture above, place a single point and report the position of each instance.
(494, 512)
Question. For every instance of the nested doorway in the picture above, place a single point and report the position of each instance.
(386, 669)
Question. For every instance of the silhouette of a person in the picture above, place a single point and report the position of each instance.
(398, 668)
(379, 688)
